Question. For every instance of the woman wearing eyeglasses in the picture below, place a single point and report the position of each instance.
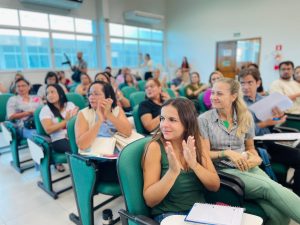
(102, 118)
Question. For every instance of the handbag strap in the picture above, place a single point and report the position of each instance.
(266, 161)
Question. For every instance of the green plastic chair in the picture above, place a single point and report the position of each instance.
(170, 92)
(181, 92)
(131, 180)
(50, 157)
(128, 90)
(137, 121)
(136, 98)
(85, 183)
(201, 103)
(3, 101)
(16, 143)
(292, 121)
(77, 99)
(141, 85)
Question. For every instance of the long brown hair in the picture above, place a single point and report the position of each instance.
(188, 117)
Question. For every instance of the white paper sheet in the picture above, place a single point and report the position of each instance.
(263, 108)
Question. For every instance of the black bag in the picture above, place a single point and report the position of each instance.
(29, 123)
(76, 76)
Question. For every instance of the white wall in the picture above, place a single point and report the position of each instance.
(194, 31)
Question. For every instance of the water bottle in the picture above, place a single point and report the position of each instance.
(107, 217)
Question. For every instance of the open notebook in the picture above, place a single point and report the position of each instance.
(215, 214)
(102, 147)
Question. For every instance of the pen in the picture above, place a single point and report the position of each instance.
(276, 119)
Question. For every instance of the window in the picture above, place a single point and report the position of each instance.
(9, 17)
(63, 44)
(10, 50)
(37, 50)
(44, 46)
(129, 44)
(34, 20)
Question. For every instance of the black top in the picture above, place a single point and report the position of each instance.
(148, 106)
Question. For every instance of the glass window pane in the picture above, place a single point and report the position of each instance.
(144, 33)
(116, 52)
(83, 26)
(63, 23)
(116, 29)
(157, 53)
(34, 20)
(64, 44)
(9, 17)
(130, 31)
(10, 51)
(130, 53)
(37, 49)
(157, 35)
(247, 51)
(87, 45)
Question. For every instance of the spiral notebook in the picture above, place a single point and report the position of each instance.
(215, 214)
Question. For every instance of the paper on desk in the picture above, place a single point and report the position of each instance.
(263, 108)
(279, 136)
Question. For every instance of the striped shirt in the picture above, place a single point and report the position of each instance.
(212, 128)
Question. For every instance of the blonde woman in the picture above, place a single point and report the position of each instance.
(228, 131)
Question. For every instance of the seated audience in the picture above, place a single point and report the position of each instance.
(62, 78)
(163, 81)
(193, 90)
(176, 168)
(213, 77)
(128, 81)
(149, 110)
(51, 78)
(227, 132)
(102, 118)
(12, 86)
(85, 82)
(2, 88)
(287, 86)
(297, 75)
(54, 117)
(122, 101)
(260, 89)
(249, 79)
(178, 82)
(20, 108)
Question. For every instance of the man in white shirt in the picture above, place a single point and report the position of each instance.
(287, 86)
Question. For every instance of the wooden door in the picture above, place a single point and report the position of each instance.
(226, 58)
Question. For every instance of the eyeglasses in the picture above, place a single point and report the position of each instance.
(94, 94)
(249, 83)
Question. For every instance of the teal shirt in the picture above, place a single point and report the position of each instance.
(186, 190)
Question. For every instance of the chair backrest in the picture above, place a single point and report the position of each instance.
(131, 177)
(201, 103)
(170, 92)
(36, 117)
(71, 134)
(141, 85)
(72, 87)
(83, 173)
(136, 98)
(137, 121)
(3, 101)
(181, 91)
(128, 90)
(77, 99)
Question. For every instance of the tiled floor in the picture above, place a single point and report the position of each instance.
(22, 202)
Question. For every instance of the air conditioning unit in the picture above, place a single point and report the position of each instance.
(143, 17)
(61, 4)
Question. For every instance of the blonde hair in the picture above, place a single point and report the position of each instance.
(244, 117)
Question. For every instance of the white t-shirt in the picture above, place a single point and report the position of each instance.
(287, 87)
(46, 113)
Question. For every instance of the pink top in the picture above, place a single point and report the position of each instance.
(206, 98)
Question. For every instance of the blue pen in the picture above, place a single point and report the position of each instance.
(276, 119)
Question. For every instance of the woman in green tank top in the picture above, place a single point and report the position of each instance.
(175, 167)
